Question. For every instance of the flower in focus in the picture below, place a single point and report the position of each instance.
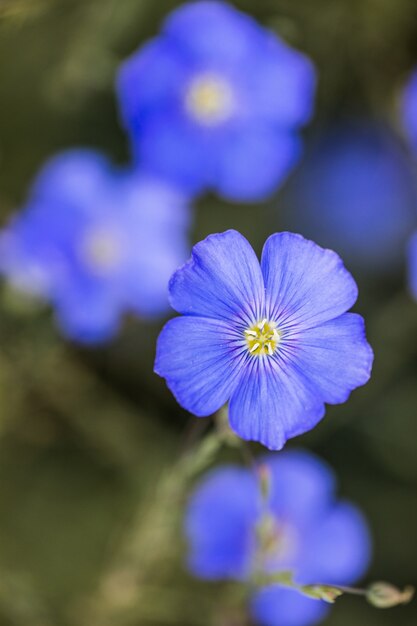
(274, 339)
(96, 242)
(301, 528)
(355, 193)
(215, 102)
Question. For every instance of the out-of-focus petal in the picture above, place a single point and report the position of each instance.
(149, 82)
(409, 109)
(302, 486)
(90, 317)
(339, 549)
(253, 161)
(71, 179)
(170, 148)
(220, 524)
(276, 606)
(278, 70)
(210, 31)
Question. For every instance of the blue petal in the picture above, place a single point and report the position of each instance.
(302, 487)
(338, 551)
(71, 179)
(222, 280)
(275, 606)
(154, 224)
(144, 285)
(273, 402)
(412, 258)
(89, 318)
(305, 284)
(254, 161)
(409, 109)
(282, 84)
(334, 356)
(220, 524)
(199, 359)
(24, 261)
(171, 147)
(213, 31)
(149, 81)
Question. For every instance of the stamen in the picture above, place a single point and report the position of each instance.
(262, 338)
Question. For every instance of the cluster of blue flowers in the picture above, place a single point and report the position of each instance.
(215, 102)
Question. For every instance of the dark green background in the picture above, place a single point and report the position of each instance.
(85, 434)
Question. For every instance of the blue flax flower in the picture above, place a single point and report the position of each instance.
(215, 102)
(300, 528)
(274, 338)
(355, 193)
(96, 242)
(409, 109)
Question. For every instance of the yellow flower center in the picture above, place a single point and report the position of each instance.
(262, 338)
(101, 251)
(209, 99)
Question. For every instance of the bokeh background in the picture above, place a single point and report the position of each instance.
(86, 434)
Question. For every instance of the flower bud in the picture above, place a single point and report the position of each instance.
(384, 595)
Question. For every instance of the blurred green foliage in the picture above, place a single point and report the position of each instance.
(86, 435)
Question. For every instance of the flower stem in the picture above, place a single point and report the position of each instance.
(153, 538)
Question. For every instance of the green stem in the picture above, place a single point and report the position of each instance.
(153, 539)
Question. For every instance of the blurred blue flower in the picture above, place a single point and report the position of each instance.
(355, 194)
(216, 101)
(413, 265)
(409, 109)
(300, 528)
(96, 242)
(274, 338)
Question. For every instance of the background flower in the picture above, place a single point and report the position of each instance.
(96, 242)
(409, 109)
(301, 527)
(215, 102)
(273, 338)
(355, 193)
(413, 265)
